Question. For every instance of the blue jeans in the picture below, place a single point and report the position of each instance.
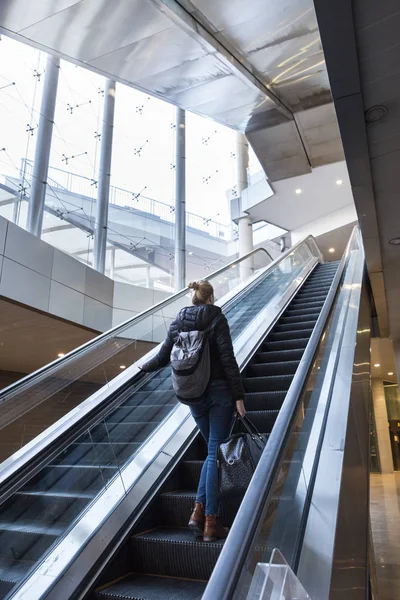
(213, 416)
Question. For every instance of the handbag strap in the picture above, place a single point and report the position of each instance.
(248, 425)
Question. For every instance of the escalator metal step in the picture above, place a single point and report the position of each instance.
(274, 368)
(279, 356)
(264, 400)
(296, 326)
(175, 508)
(152, 587)
(290, 335)
(306, 316)
(285, 344)
(262, 384)
(174, 552)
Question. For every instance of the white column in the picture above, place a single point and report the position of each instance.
(112, 263)
(103, 190)
(148, 279)
(43, 147)
(382, 426)
(180, 201)
(245, 223)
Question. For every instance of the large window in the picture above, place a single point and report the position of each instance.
(21, 82)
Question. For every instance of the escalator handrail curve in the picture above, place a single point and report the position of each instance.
(231, 560)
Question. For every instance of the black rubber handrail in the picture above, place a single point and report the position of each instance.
(222, 583)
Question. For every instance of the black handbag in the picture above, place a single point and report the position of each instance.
(238, 457)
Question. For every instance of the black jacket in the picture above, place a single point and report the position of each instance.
(222, 358)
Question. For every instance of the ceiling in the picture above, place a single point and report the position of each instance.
(336, 240)
(30, 339)
(319, 197)
(364, 71)
(256, 66)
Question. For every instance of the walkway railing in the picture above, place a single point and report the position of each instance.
(83, 186)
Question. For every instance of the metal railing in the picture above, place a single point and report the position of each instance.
(83, 186)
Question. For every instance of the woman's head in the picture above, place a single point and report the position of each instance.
(203, 292)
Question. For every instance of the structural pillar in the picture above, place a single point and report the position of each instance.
(43, 147)
(245, 223)
(112, 263)
(180, 201)
(103, 190)
(382, 426)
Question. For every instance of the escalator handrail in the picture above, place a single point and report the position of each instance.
(224, 577)
(121, 327)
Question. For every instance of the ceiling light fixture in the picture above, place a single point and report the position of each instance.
(339, 181)
(331, 250)
(390, 374)
(190, 253)
(298, 191)
(122, 367)
(395, 241)
(61, 354)
(377, 365)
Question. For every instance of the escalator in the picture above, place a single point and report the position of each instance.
(97, 506)
(164, 559)
(60, 489)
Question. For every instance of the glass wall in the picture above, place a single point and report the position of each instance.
(21, 83)
(141, 223)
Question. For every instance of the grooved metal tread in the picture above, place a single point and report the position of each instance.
(152, 587)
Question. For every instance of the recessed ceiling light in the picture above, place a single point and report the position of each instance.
(390, 373)
(61, 354)
(331, 250)
(377, 365)
(190, 253)
(395, 241)
(298, 191)
(122, 367)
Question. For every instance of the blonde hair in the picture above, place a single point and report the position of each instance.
(202, 292)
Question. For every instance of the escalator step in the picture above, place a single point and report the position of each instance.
(265, 384)
(175, 553)
(189, 474)
(274, 368)
(263, 420)
(176, 507)
(23, 546)
(307, 316)
(311, 296)
(264, 400)
(279, 355)
(303, 304)
(105, 454)
(40, 511)
(301, 309)
(316, 288)
(74, 480)
(297, 325)
(290, 335)
(285, 344)
(152, 587)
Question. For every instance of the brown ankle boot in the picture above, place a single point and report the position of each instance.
(196, 521)
(213, 529)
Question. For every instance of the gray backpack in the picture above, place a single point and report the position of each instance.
(190, 362)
